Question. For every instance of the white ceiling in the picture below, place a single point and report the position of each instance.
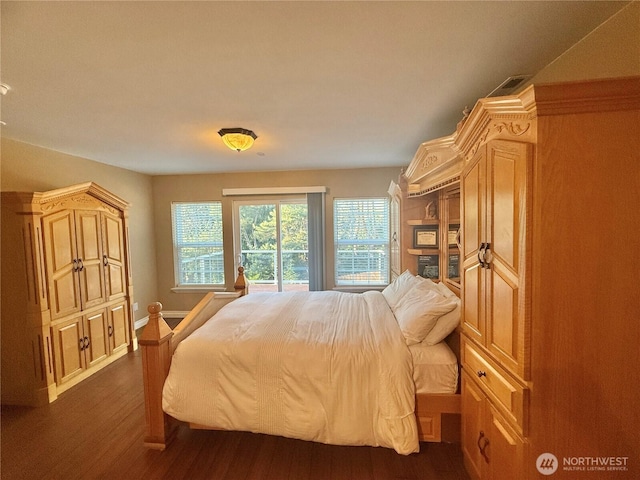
(147, 85)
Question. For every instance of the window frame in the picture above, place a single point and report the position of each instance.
(278, 202)
(178, 274)
(383, 242)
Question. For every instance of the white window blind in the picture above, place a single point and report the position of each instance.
(197, 239)
(361, 234)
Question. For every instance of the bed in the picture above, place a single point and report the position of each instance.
(332, 367)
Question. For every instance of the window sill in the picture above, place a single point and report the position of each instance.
(359, 288)
(199, 289)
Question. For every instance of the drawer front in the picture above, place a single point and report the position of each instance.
(509, 396)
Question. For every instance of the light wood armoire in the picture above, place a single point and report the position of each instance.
(551, 303)
(67, 290)
(550, 242)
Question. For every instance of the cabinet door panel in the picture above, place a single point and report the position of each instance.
(507, 177)
(473, 208)
(473, 211)
(97, 347)
(60, 253)
(472, 433)
(502, 325)
(114, 256)
(69, 356)
(473, 302)
(505, 452)
(507, 168)
(89, 239)
(502, 206)
(118, 327)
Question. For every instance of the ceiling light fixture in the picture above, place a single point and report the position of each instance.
(237, 139)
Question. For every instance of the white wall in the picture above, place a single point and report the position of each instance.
(365, 182)
(611, 50)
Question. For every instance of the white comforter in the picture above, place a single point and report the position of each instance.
(324, 366)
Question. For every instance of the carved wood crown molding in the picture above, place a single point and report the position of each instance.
(85, 194)
(431, 155)
(501, 117)
(501, 129)
(419, 192)
(436, 164)
(82, 201)
(515, 117)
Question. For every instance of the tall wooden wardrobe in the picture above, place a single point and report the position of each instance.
(550, 242)
(551, 303)
(67, 291)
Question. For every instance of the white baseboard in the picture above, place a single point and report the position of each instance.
(138, 324)
(166, 314)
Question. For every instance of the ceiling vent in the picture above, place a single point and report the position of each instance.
(509, 86)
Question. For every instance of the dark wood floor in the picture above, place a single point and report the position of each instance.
(95, 430)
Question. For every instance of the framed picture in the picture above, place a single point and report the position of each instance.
(454, 267)
(425, 236)
(452, 234)
(428, 266)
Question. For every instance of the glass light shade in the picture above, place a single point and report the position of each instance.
(237, 139)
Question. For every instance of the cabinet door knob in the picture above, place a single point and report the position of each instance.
(486, 255)
(105, 260)
(482, 446)
(87, 342)
(481, 255)
(110, 330)
(80, 265)
(75, 265)
(81, 344)
(480, 437)
(481, 373)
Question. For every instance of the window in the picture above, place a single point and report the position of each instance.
(361, 233)
(197, 243)
(272, 238)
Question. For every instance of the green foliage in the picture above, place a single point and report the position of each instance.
(258, 240)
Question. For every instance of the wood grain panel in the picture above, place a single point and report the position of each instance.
(115, 256)
(60, 253)
(89, 244)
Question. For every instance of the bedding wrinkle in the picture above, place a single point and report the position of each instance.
(397, 405)
(269, 385)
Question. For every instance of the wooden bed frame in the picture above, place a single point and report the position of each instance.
(438, 415)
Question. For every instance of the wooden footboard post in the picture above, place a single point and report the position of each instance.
(155, 344)
(241, 286)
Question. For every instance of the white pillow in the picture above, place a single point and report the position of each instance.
(419, 310)
(446, 324)
(444, 290)
(428, 283)
(397, 289)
